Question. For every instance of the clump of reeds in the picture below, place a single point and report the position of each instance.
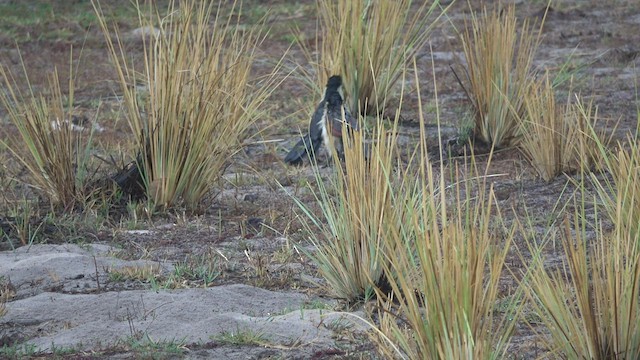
(370, 43)
(558, 138)
(47, 146)
(200, 99)
(499, 73)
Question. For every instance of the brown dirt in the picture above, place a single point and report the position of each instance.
(254, 223)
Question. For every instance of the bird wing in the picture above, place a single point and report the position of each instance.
(311, 142)
(299, 151)
(339, 116)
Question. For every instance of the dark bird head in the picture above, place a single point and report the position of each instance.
(333, 93)
(334, 82)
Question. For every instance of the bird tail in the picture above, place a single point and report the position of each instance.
(304, 147)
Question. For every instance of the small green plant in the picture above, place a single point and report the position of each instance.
(146, 348)
(200, 270)
(23, 214)
(498, 73)
(240, 337)
(139, 273)
(18, 351)
(194, 271)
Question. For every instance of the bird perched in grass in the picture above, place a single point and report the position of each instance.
(326, 125)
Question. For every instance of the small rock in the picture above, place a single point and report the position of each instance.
(144, 32)
(503, 191)
(253, 197)
(168, 226)
(285, 181)
(139, 232)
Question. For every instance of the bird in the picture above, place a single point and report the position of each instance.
(326, 125)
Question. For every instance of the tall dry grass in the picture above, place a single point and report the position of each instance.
(548, 139)
(499, 73)
(557, 138)
(369, 43)
(446, 268)
(200, 97)
(618, 185)
(591, 305)
(3, 300)
(359, 206)
(54, 155)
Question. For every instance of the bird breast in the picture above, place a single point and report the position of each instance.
(325, 132)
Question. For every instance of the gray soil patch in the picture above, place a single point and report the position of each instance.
(86, 318)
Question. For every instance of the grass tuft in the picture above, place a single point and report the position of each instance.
(558, 139)
(499, 66)
(369, 43)
(435, 269)
(56, 156)
(239, 337)
(448, 259)
(591, 305)
(357, 209)
(619, 188)
(200, 101)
